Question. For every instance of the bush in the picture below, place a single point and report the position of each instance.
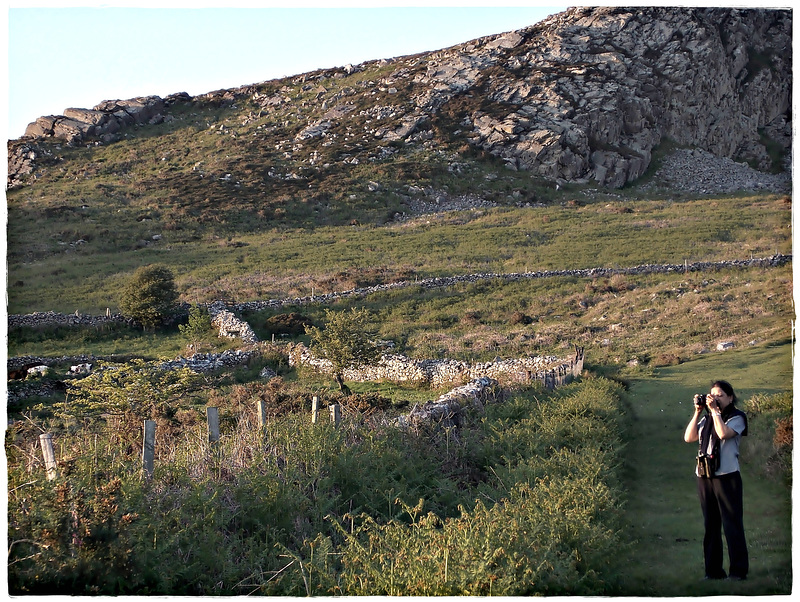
(771, 437)
(520, 318)
(150, 296)
(292, 324)
(199, 328)
(553, 528)
(347, 341)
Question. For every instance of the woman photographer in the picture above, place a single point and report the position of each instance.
(719, 483)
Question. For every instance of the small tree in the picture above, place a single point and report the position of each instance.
(149, 296)
(346, 341)
(138, 389)
(199, 327)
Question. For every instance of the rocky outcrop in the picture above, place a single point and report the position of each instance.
(584, 96)
(105, 122)
(603, 86)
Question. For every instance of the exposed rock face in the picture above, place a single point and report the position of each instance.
(603, 86)
(102, 123)
(585, 96)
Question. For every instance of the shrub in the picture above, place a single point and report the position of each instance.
(553, 526)
(347, 341)
(279, 398)
(666, 359)
(471, 318)
(784, 433)
(298, 508)
(150, 296)
(771, 443)
(199, 327)
(292, 324)
(518, 318)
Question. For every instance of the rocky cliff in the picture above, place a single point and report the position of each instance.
(584, 96)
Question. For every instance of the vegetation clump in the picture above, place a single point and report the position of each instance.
(291, 324)
(773, 414)
(302, 508)
(150, 296)
(199, 328)
(346, 341)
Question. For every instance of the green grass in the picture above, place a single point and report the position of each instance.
(100, 341)
(663, 512)
(654, 320)
(45, 275)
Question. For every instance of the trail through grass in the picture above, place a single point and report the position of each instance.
(665, 520)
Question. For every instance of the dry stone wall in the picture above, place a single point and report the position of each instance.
(602, 272)
(52, 318)
(449, 409)
(441, 372)
(230, 326)
(84, 364)
(208, 362)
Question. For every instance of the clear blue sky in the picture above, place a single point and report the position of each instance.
(61, 57)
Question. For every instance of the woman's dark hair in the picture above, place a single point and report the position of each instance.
(726, 387)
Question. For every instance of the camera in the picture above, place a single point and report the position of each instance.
(701, 402)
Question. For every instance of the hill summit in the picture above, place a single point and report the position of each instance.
(584, 96)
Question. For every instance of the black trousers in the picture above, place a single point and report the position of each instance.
(721, 501)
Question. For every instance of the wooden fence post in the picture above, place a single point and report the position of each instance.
(314, 409)
(46, 441)
(336, 415)
(149, 447)
(262, 413)
(212, 416)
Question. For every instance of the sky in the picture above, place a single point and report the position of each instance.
(76, 54)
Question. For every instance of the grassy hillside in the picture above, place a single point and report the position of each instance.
(74, 259)
(228, 195)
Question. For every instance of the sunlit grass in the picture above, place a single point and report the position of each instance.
(280, 263)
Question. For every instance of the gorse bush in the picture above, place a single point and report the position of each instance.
(770, 423)
(552, 527)
(514, 502)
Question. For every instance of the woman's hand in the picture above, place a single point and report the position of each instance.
(698, 402)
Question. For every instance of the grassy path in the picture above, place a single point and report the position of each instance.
(663, 512)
